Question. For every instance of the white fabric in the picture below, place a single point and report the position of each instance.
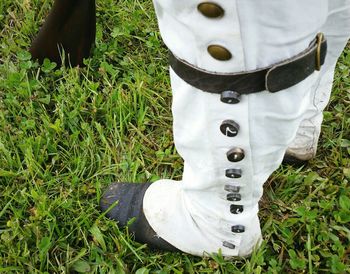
(193, 214)
(337, 30)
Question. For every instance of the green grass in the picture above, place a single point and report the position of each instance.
(67, 133)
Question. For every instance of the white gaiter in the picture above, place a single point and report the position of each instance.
(208, 211)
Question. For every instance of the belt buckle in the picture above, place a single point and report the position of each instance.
(319, 40)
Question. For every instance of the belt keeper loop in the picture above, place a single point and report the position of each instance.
(320, 38)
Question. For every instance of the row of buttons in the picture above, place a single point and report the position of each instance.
(228, 127)
(213, 10)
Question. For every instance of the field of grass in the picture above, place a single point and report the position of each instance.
(66, 134)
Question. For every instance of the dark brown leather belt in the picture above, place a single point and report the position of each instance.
(277, 77)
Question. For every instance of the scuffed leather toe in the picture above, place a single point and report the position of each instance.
(128, 198)
(293, 161)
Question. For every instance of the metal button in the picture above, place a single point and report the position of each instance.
(230, 188)
(219, 53)
(230, 97)
(233, 173)
(229, 245)
(235, 154)
(234, 197)
(236, 209)
(238, 229)
(229, 128)
(211, 10)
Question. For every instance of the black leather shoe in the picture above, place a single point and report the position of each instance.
(129, 205)
(293, 161)
(71, 25)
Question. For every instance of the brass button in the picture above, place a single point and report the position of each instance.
(211, 10)
(219, 52)
(235, 155)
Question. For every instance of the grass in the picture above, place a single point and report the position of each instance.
(67, 133)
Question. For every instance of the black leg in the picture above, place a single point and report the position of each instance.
(71, 26)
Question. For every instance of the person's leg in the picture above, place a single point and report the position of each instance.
(70, 28)
(229, 149)
(337, 31)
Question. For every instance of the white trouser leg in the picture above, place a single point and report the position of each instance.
(195, 214)
(337, 31)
